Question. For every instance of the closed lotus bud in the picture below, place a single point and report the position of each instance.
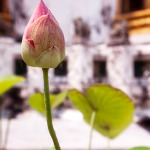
(43, 42)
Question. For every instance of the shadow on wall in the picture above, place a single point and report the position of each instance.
(13, 103)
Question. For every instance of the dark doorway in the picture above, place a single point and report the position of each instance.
(140, 66)
(1, 6)
(132, 5)
(100, 69)
(20, 68)
(61, 69)
(136, 5)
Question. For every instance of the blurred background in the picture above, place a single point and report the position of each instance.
(106, 41)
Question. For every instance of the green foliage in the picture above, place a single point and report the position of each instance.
(114, 110)
(140, 148)
(57, 99)
(8, 81)
(36, 101)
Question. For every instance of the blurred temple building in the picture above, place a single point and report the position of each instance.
(106, 41)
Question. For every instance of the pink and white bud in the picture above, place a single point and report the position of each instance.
(43, 42)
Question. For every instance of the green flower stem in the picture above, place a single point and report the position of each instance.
(0, 123)
(7, 132)
(91, 132)
(48, 109)
(108, 144)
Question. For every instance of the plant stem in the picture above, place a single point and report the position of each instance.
(48, 109)
(91, 131)
(7, 132)
(0, 123)
(108, 144)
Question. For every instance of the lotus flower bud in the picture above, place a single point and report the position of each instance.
(43, 42)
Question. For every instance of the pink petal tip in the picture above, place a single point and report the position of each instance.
(31, 42)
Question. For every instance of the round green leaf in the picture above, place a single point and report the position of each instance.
(8, 81)
(36, 101)
(57, 99)
(114, 110)
(140, 148)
